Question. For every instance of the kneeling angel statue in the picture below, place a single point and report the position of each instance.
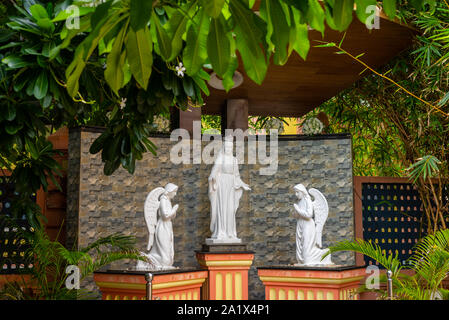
(159, 213)
(311, 217)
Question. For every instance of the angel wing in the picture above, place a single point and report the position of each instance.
(321, 211)
(150, 212)
(299, 256)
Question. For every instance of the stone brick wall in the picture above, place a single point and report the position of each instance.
(99, 205)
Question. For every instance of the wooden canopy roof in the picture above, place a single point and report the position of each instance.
(299, 86)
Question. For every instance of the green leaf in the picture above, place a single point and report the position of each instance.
(369, 249)
(15, 62)
(389, 7)
(201, 84)
(68, 12)
(97, 145)
(46, 24)
(84, 51)
(47, 48)
(114, 72)
(46, 101)
(342, 14)
(423, 168)
(218, 46)
(38, 12)
(444, 100)
(139, 49)
(5, 35)
(302, 6)
(212, 7)
(249, 38)
(100, 13)
(10, 112)
(68, 34)
(362, 11)
(163, 41)
(177, 27)
(315, 16)
(110, 167)
(278, 31)
(188, 86)
(302, 43)
(328, 15)
(13, 128)
(195, 52)
(20, 82)
(41, 86)
(31, 148)
(140, 12)
(228, 78)
(23, 24)
(30, 87)
(417, 4)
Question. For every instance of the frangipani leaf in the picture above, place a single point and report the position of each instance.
(195, 52)
(218, 46)
(139, 49)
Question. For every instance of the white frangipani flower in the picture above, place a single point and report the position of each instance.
(123, 103)
(180, 70)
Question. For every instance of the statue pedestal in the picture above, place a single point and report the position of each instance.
(227, 267)
(178, 284)
(311, 283)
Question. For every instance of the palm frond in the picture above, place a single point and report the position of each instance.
(51, 259)
(430, 259)
(116, 240)
(106, 258)
(371, 250)
(425, 167)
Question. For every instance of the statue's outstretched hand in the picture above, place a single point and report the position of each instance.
(246, 187)
(213, 183)
(175, 207)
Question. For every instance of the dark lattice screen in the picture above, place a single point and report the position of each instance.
(392, 217)
(12, 243)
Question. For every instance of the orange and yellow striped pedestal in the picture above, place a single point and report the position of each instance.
(166, 285)
(227, 274)
(306, 283)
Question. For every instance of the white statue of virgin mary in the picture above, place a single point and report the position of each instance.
(225, 191)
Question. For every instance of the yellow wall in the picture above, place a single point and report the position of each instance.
(291, 127)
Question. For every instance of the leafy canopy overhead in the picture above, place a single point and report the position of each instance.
(118, 64)
(210, 32)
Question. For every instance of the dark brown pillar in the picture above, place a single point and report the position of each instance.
(184, 119)
(235, 114)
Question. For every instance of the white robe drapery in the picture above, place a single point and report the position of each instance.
(307, 251)
(225, 191)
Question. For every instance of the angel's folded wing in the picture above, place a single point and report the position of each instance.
(150, 212)
(321, 211)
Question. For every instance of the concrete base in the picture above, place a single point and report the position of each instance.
(213, 241)
(180, 284)
(236, 247)
(311, 283)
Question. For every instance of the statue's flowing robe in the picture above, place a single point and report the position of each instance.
(225, 198)
(162, 251)
(307, 252)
